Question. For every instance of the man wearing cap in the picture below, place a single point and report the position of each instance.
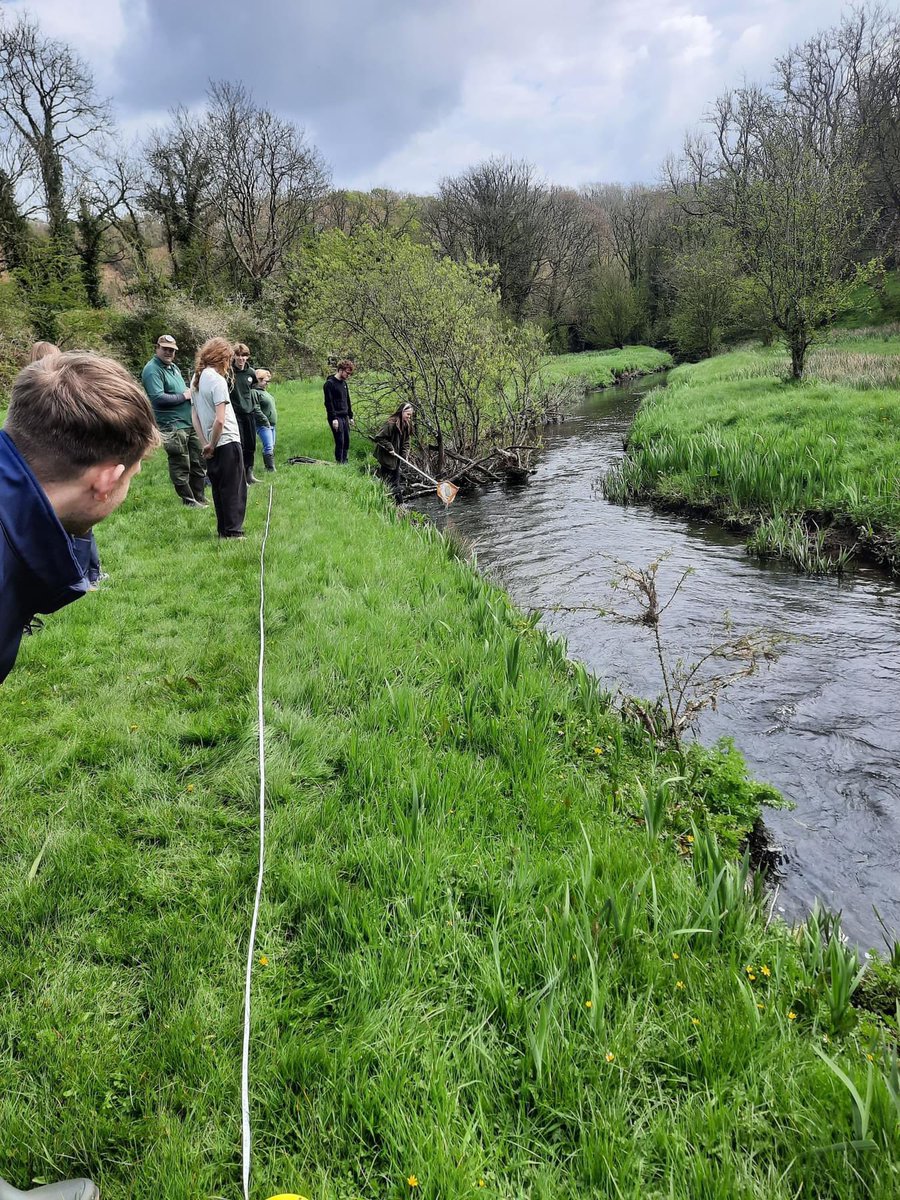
(171, 400)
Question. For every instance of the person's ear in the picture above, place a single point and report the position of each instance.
(104, 477)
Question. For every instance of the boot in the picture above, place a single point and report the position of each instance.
(67, 1189)
(251, 478)
(269, 460)
(192, 503)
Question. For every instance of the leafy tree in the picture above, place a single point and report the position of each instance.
(428, 330)
(51, 282)
(705, 286)
(618, 311)
(795, 213)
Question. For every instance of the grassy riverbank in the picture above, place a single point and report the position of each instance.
(602, 368)
(478, 974)
(811, 467)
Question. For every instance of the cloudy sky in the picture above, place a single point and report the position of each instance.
(402, 92)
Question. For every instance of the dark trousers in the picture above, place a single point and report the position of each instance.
(229, 488)
(393, 481)
(247, 426)
(187, 470)
(341, 438)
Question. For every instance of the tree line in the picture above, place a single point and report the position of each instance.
(764, 224)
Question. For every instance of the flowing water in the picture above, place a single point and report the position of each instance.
(822, 724)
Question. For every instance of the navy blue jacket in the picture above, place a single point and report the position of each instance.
(42, 567)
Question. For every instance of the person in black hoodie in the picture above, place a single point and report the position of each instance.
(339, 408)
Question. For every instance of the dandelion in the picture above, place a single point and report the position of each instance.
(610, 1058)
(695, 1020)
(680, 985)
(588, 1004)
(690, 837)
(263, 961)
(752, 977)
(764, 970)
(412, 1181)
(676, 955)
(481, 1183)
(190, 787)
(598, 749)
(749, 970)
(792, 1016)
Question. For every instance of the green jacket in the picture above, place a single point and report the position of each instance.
(391, 439)
(240, 388)
(265, 404)
(165, 387)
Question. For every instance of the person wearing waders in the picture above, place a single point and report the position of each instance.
(339, 409)
(393, 439)
(241, 383)
(76, 432)
(171, 400)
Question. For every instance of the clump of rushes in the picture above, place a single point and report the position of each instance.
(452, 873)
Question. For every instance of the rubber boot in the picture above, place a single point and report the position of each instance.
(66, 1189)
(269, 460)
(251, 478)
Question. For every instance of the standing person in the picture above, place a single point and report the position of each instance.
(171, 400)
(217, 428)
(393, 439)
(339, 408)
(241, 384)
(76, 433)
(266, 417)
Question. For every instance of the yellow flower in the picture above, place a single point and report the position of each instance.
(792, 1016)
(190, 787)
(749, 970)
(761, 1007)
(676, 955)
(870, 1057)
(588, 1004)
(412, 1181)
(752, 977)
(481, 1183)
(765, 970)
(690, 837)
(695, 1021)
(680, 985)
(598, 749)
(263, 961)
(133, 728)
(610, 1058)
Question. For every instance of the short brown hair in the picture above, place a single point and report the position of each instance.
(346, 365)
(75, 409)
(240, 348)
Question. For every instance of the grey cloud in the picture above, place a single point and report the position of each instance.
(362, 77)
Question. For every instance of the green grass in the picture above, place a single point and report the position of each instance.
(730, 435)
(605, 367)
(480, 965)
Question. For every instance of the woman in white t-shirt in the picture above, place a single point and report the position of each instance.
(219, 435)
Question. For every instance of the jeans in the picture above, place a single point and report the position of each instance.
(228, 479)
(187, 467)
(267, 437)
(341, 438)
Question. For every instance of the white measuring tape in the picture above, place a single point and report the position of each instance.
(245, 1063)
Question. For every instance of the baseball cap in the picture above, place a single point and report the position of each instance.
(166, 339)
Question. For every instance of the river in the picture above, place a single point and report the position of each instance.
(821, 724)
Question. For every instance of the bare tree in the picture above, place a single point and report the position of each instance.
(178, 190)
(47, 96)
(381, 208)
(106, 198)
(267, 180)
(496, 213)
(17, 201)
